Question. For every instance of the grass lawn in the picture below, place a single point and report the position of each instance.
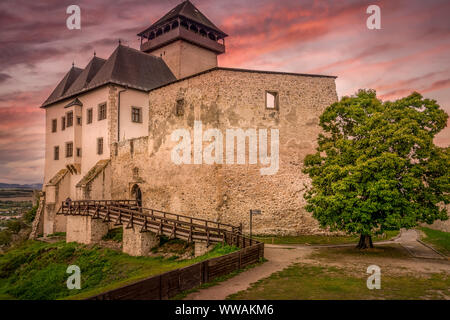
(318, 239)
(305, 282)
(340, 274)
(37, 270)
(440, 240)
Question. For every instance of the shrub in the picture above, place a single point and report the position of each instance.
(29, 216)
(5, 237)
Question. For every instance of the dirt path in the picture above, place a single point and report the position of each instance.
(278, 259)
(410, 240)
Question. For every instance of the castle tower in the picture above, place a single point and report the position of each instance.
(187, 41)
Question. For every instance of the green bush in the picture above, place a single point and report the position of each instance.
(115, 234)
(5, 237)
(29, 216)
(14, 225)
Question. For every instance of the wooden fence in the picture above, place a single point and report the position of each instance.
(171, 283)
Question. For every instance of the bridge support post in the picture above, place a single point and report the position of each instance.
(84, 229)
(201, 247)
(136, 243)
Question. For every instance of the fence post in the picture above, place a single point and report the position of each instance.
(240, 258)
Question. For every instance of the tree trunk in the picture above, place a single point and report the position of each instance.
(365, 242)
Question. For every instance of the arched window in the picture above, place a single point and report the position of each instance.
(152, 35)
(193, 28)
(175, 25)
(136, 194)
(184, 24)
(159, 32)
(167, 28)
(212, 36)
(203, 32)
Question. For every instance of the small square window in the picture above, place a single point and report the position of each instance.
(69, 117)
(54, 125)
(69, 149)
(102, 111)
(99, 145)
(89, 116)
(136, 114)
(56, 153)
(272, 100)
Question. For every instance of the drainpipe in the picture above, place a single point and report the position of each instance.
(118, 113)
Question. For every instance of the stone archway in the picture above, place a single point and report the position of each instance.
(136, 194)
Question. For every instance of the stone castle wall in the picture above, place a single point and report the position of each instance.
(225, 99)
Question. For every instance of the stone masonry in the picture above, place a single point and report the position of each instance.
(222, 99)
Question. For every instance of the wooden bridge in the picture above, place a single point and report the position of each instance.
(126, 212)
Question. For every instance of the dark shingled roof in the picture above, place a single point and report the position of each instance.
(133, 68)
(86, 76)
(126, 66)
(64, 84)
(187, 10)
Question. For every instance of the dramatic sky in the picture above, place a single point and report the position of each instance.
(410, 52)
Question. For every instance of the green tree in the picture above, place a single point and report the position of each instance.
(376, 167)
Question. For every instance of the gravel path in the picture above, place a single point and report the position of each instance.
(278, 259)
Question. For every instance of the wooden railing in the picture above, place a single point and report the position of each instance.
(169, 284)
(162, 223)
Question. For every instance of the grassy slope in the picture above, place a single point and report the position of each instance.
(440, 240)
(318, 239)
(37, 270)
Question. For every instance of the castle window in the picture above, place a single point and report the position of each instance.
(79, 121)
(102, 111)
(180, 107)
(159, 32)
(54, 125)
(69, 149)
(63, 123)
(78, 152)
(175, 25)
(136, 114)
(89, 116)
(69, 116)
(203, 32)
(272, 100)
(194, 28)
(56, 153)
(212, 36)
(184, 24)
(99, 145)
(167, 28)
(152, 36)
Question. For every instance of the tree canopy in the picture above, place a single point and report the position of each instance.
(376, 167)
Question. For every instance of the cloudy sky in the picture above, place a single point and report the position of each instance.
(410, 52)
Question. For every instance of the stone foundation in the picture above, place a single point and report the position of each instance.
(136, 243)
(200, 248)
(84, 229)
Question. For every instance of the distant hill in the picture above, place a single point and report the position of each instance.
(37, 186)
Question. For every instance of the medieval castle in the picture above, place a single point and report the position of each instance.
(109, 130)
